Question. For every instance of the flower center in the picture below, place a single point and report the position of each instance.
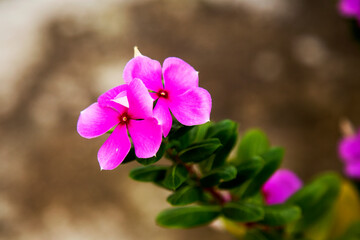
(163, 94)
(124, 118)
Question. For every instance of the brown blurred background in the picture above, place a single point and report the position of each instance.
(290, 67)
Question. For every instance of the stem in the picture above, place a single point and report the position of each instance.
(215, 194)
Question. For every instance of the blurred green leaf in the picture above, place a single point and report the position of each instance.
(278, 215)
(175, 176)
(200, 151)
(227, 132)
(187, 217)
(243, 211)
(148, 173)
(225, 173)
(254, 143)
(353, 233)
(272, 159)
(184, 196)
(130, 156)
(245, 171)
(316, 199)
(152, 160)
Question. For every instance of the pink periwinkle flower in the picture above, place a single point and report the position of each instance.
(129, 107)
(175, 86)
(350, 8)
(349, 152)
(280, 186)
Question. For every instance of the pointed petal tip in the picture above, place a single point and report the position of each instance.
(137, 52)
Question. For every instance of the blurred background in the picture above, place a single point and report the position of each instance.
(290, 67)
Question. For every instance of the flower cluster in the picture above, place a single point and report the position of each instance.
(350, 8)
(128, 108)
(349, 152)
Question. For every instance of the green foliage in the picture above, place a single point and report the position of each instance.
(185, 195)
(243, 211)
(278, 215)
(200, 151)
(254, 143)
(272, 159)
(225, 173)
(175, 176)
(227, 132)
(148, 173)
(316, 199)
(245, 171)
(187, 217)
(353, 233)
(130, 157)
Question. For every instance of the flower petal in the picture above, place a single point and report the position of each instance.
(146, 69)
(179, 76)
(146, 136)
(162, 114)
(280, 186)
(115, 149)
(107, 98)
(191, 108)
(352, 170)
(350, 8)
(95, 121)
(349, 149)
(140, 101)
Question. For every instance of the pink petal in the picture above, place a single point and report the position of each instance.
(191, 108)
(115, 149)
(179, 76)
(146, 136)
(106, 98)
(162, 114)
(280, 186)
(140, 101)
(146, 69)
(352, 170)
(350, 8)
(95, 121)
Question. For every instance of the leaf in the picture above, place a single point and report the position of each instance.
(148, 173)
(243, 212)
(316, 199)
(254, 143)
(175, 176)
(245, 171)
(187, 217)
(278, 215)
(227, 132)
(200, 151)
(225, 173)
(152, 160)
(353, 232)
(130, 156)
(272, 159)
(184, 196)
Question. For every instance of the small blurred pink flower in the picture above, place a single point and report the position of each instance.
(350, 8)
(129, 108)
(349, 152)
(280, 186)
(175, 87)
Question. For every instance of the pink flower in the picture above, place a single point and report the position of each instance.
(350, 8)
(175, 86)
(129, 108)
(280, 186)
(349, 152)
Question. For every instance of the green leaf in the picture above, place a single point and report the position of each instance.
(316, 199)
(278, 215)
(187, 217)
(148, 173)
(130, 156)
(243, 212)
(353, 233)
(245, 171)
(272, 159)
(225, 173)
(227, 132)
(152, 160)
(254, 143)
(175, 176)
(200, 151)
(184, 196)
